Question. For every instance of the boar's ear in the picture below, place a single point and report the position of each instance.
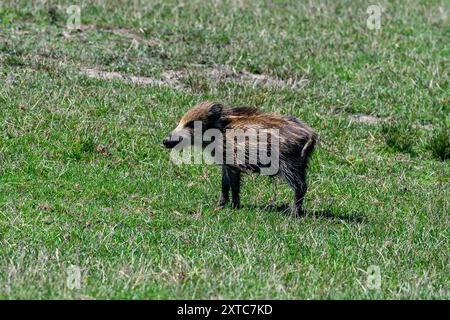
(215, 111)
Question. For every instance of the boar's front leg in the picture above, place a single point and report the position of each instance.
(235, 183)
(234, 178)
(225, 187)
(231, 179)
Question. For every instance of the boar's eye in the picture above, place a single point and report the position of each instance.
(190, 124)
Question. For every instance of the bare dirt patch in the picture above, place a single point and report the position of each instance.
(169, 78)
(225, 74)
(366, 119)
(175, 78)
(372, 120)
(137, 39)
(427, 127)
(122, 32)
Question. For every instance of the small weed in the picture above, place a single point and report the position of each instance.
(399, 137)
(440, 143)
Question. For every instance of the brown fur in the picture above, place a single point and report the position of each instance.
(296, 140)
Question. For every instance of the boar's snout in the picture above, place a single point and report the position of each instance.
(169, 143)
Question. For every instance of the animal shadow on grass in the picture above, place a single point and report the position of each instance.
(331, 214)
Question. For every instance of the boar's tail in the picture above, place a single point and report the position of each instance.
(309, 145)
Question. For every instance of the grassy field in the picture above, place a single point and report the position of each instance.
(86, 182)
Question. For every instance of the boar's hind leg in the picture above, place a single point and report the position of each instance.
(297, 180)
(225, 187)
(300, 191)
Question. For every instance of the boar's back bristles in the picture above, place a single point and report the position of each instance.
(293, 133)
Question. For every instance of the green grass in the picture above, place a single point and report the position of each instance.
(85, 180)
